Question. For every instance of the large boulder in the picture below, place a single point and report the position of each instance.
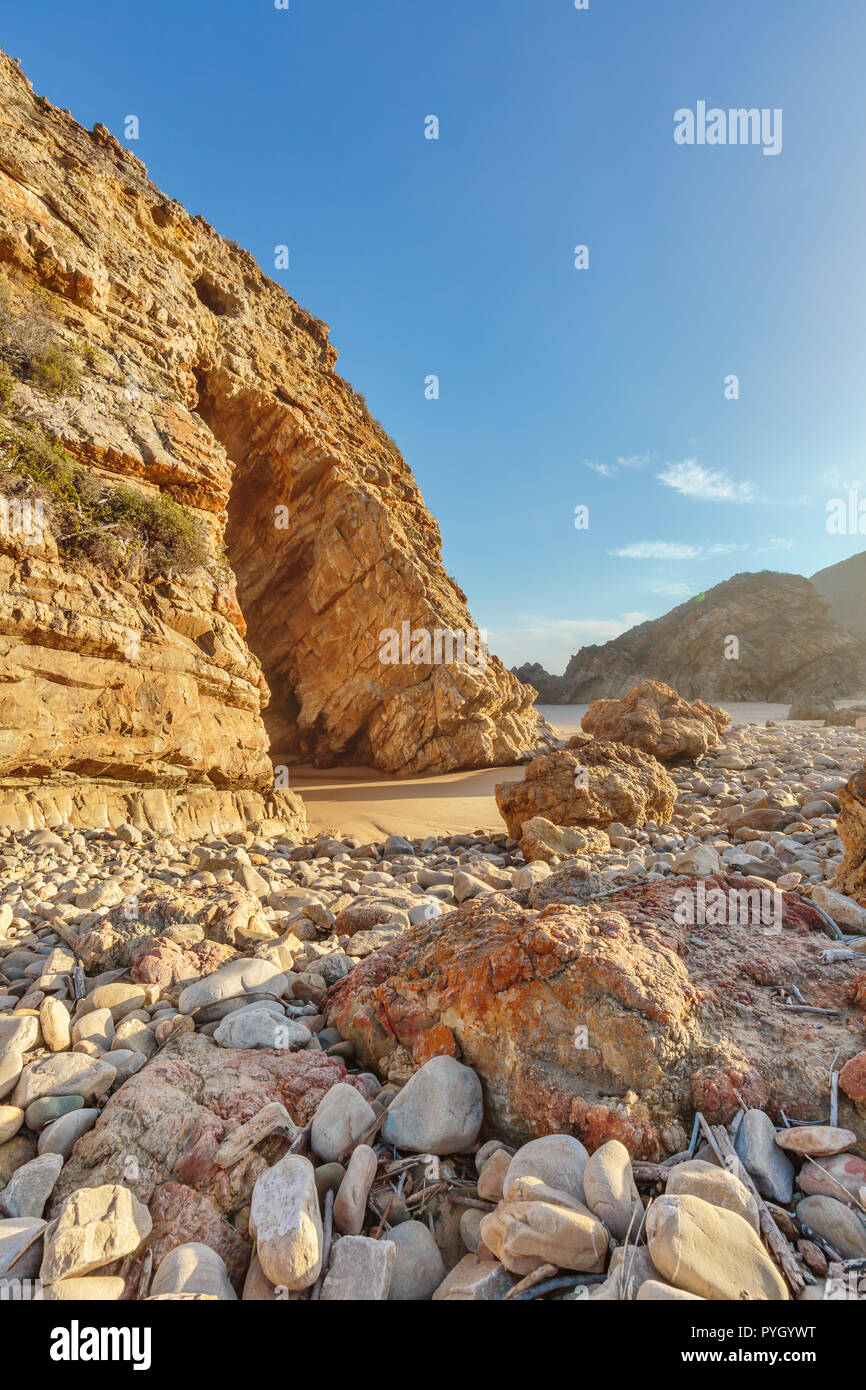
(654, 718)
(591, 786)
(608, 1020)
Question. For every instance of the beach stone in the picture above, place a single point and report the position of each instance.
(120, 999)
(258, 1287)
(524, 1235)
(193, 1268)
(360, 1270)
(328, 1179)
(63, 1074)
(760, 1155)
(714, 1185)
(466, 886)
(492, 1175)
(655, 719)
(438, 1111)
(837, 1223)
(341, 1117)
(827, 1175)
(95, 1225)
(474, 1281)
(11, 1120)
(60, 1136)
(819, 1141)
(126, 1062)
(54, 1021)
(599, 783)
(700, 860)
(350, 1203)
(245, 976)
(470, 1229)
(29, 1188)
(256, 1028)
(710, 1251)
(20, 1149)
(654, 1291)
(96, 1027)
(556, 1159)
(541, 841)
(93, 1288)
(11, 1066)
(610, 1190)
(285, 1220)
(19, 1032)
(418, 1265)
(844, 910)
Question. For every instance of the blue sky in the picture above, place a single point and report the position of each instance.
(455, 257)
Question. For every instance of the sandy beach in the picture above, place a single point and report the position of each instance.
(372, 805)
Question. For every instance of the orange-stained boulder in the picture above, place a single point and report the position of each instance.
(654, 718)
(607, 1021)
(851, 825)
(594, 785)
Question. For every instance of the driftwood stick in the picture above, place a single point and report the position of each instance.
(369, 1133)
(300, 1142)
(779, 1246)
(537, 1276)
(327, 1229)
(145, 1273)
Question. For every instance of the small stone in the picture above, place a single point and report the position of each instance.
(819, 1141)
(95, 1027)
(19, 1031)
(95, 1226)
(193, 1268)
(418, 1265)
(833, 1177)
(474, 1281)
(11, 1120)
(654, 1291)
(94, 1288)
(610, 1190)
(55, 1025)
(119, 999)
(18, 1234)
(492, 1176)
(524, 1235)
(760, 1155)
(714, 1185)
(556, 1159)
(360, 1270)
(245, 976)
(61, 1136)
(29, 1188)
(63, 1074)
(438, 1111)
(285, 1219)
(11, 1066)
(341, 1118)
(350, 1205)
(328, 1179)
(836, 1223)
(256, 1028)
(470, 1229)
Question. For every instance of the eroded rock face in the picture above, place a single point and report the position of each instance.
(201, 380)
(851, 826)
(604, 1021)
(788, 646)
(654, 718)
(594, 785)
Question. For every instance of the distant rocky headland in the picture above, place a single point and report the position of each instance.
(762, 637)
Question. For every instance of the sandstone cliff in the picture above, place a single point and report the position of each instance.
(788, 647)
(226, 529)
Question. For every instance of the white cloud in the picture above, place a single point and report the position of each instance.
(657, 550)
(610, 470)
(635, 460)
(775, 543)
(553, 641)
(670, 590)
(691, 479)
(603, 468)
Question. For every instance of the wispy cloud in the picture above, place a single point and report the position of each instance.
(692, 479)
(670, 590)
(657, 550)
(774, 543)
(610, 470)
(841, 482)
(553, 640)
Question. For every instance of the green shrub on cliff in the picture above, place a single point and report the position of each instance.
(29, 347)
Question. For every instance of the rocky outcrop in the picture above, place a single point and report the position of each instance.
(227, 532)
(851, 826)
(551, 689)
(657, 720)
(787, 646)
(592, 786)
(197, 810)
(611, 1020)
(845, 586)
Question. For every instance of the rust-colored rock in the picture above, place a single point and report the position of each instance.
(592, 786)
(202, 381)
(852, 1079)
(654, 718)
(851, 826)
(603, 1020)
